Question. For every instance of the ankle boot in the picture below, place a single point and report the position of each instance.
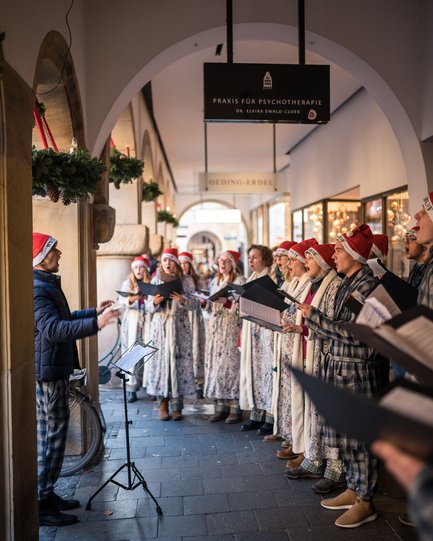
(163, 410)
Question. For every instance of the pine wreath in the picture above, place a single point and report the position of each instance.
(123, 168)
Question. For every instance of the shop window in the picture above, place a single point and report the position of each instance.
(277, 223)
(397, 223)
(297, 225)
(313, 222)
(373, 215)
(342, 216)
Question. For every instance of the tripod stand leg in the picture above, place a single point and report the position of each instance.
(146, 488)
(89, 503)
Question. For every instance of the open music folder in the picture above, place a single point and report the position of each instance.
(407, 339)
(262, 305)
(403, 415)
(165, 289)
(389, 298)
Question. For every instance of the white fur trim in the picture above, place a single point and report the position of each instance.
(185, 258)
(170, 256)
(377, 252)
(351, 251)
(232, 259)
(138, 264)
(281, 251)
(49, 245)
(428, 206)
(294, 253)
(319, 259)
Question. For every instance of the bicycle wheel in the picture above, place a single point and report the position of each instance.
(84, 434)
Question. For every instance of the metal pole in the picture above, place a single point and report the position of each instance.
(301, 31)
(229, 23)
(205, 147)
(274, 144)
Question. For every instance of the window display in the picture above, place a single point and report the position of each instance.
(313, 222)
(373, 215)
(342, 217)
(297, 226)
(397, 222)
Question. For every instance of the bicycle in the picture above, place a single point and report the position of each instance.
(85, 430)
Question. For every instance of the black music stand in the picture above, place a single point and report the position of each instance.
(138, 352)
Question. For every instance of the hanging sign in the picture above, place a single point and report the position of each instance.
(266, 93)
(240, 182)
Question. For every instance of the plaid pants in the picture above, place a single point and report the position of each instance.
(361, 470)
(230, 405)
(52, 418)
(333, 470)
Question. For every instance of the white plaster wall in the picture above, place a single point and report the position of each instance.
(357, 147)
(427, 72)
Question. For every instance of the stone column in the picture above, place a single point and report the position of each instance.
(18, 486)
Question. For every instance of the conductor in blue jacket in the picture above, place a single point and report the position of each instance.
(56, 356)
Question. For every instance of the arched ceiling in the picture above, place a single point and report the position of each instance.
(178, 109)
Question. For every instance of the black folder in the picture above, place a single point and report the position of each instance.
(128, 293)
(225, 291)
(414, 352)
(368, 419)
(402, 293)
(165, 289)
(263, 323)
(260, 294)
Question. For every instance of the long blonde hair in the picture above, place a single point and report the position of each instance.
(133, 280)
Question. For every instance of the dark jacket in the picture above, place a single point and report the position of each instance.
(56, 329)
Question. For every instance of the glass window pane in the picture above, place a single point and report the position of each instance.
(277, 224)
(342, 217)
(297, 226)
(313, 222)
(373, 215)
(397, 221)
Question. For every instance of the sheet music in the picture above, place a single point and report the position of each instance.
(410, 404)
(376, 267)
(373, 313)
(414, 338)
(200, 296)
(259, 311)
(138, 352)
(382, 295)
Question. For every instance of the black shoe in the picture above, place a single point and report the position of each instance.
(49, 516)
(251, 425)
(265, 429)
(405, 519)
(60, 504)
(300, 473)
(199, 394)
(324, 485)
(131, 396)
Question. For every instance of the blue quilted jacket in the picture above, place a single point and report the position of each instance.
(56, 328)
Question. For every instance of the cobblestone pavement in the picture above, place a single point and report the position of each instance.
(212, 482)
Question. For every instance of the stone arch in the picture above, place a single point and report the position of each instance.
(333, 51)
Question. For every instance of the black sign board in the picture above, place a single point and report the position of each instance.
(266, 93)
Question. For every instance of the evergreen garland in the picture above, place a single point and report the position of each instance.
(150, 191)
(167, 217)
(124, 168)
(65, 176)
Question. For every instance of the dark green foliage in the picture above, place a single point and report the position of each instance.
(164, 216)
(68, 176)
(150, 191)
(124, 168)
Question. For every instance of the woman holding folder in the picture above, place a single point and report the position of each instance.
(222, 359)
(197, 324)
(284, 346)
(171, 372)
(256, 355)
(135, 320)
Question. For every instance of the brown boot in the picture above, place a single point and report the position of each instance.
(286, 454)
(271, 438)
(234, 418)
(286, 444)
(177, 415)
(218, 416)
(360, 513)
(345, 500)
(163, 410)
(295, 462)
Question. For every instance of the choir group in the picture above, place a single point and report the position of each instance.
(244, 366)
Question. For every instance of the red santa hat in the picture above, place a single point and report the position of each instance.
(140, 261)
(427, 204)
(380, 246)
(358, 242)
(233, 256)
(412, 234)
(323, 253)
(171, 253)
(42, 245)
(284, 247)
(186, 256)
(298, 250)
